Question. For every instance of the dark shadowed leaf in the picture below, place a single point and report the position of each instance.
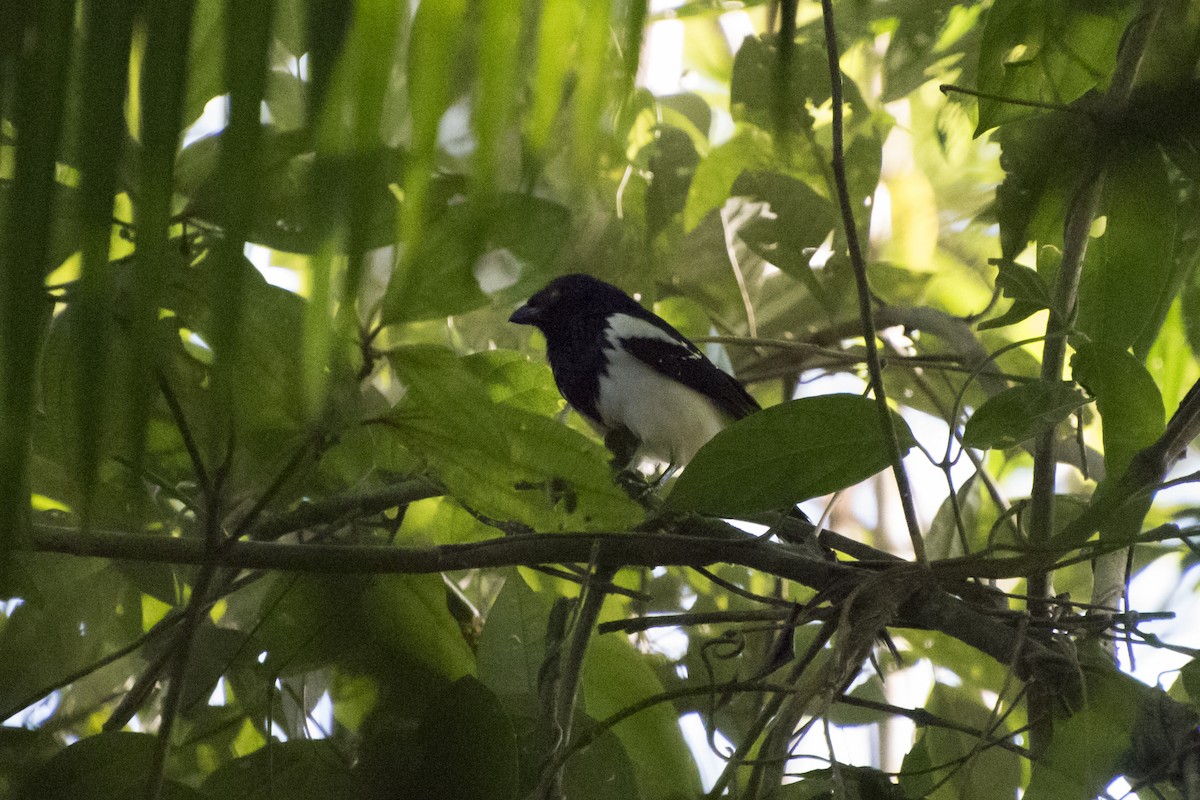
(1089, 748)
(1020, 413)
(1123, 289)
(787, 453)
(298, 769)
(109, 766)
(468, 748)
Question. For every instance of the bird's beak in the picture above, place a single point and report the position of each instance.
(526, 315)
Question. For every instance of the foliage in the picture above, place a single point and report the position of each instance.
(288, 509)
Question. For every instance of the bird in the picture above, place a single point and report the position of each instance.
(640, 383)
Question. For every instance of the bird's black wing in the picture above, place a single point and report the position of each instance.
(680, 360)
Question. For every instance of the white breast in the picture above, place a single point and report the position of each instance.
(670, 420)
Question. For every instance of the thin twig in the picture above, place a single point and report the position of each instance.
(866, 313)
(185, 431)
(949, 88)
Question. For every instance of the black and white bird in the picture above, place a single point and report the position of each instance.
(629, 373)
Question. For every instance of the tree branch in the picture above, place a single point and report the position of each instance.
(866, 313)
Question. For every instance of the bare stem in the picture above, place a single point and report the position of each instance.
(866, 313)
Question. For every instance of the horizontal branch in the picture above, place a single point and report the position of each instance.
(930, 608)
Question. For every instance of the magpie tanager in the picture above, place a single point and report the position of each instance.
(629, 373)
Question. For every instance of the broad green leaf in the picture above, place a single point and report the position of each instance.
(1020, 413)
(600, 771)
(22, 754)
(917, 775)
(408, 615)
(109, 766)
(441, 396)
(60, 629)
(447, 267)
(297, 769)
(513, 379)
(468, 747)
(786, 454)
(1171, 359)
(1089, 748)
(1130, 406)
(1026, 287)
(671, 159)
(512, 645)
(749, 148)
(1049, 51)
(1132, 417)
(1043, 160)
(988, 774)
(803, 220)
(497, 458)
(615, 676)
(1122, 290)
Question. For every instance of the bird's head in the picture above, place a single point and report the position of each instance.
(565, 300)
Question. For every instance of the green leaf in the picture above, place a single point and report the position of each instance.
(408, 615)
(1043, 160)
(513, 379)
(917, 776)
(989, 773)
(512, 645)
(1130, 406)
(1122, 291)
(468, 747)
(442, 397)
(1088, 748)
(500, 460)
(803, 220)
(109, 766)
(447, 267)
(59, 630)
(786, 454)
(297, 769)
(1049, 51)
(1027, 289)
(749, 148)
(615, 676)
(1020, 413)
(600, 771)
(1132, 417)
